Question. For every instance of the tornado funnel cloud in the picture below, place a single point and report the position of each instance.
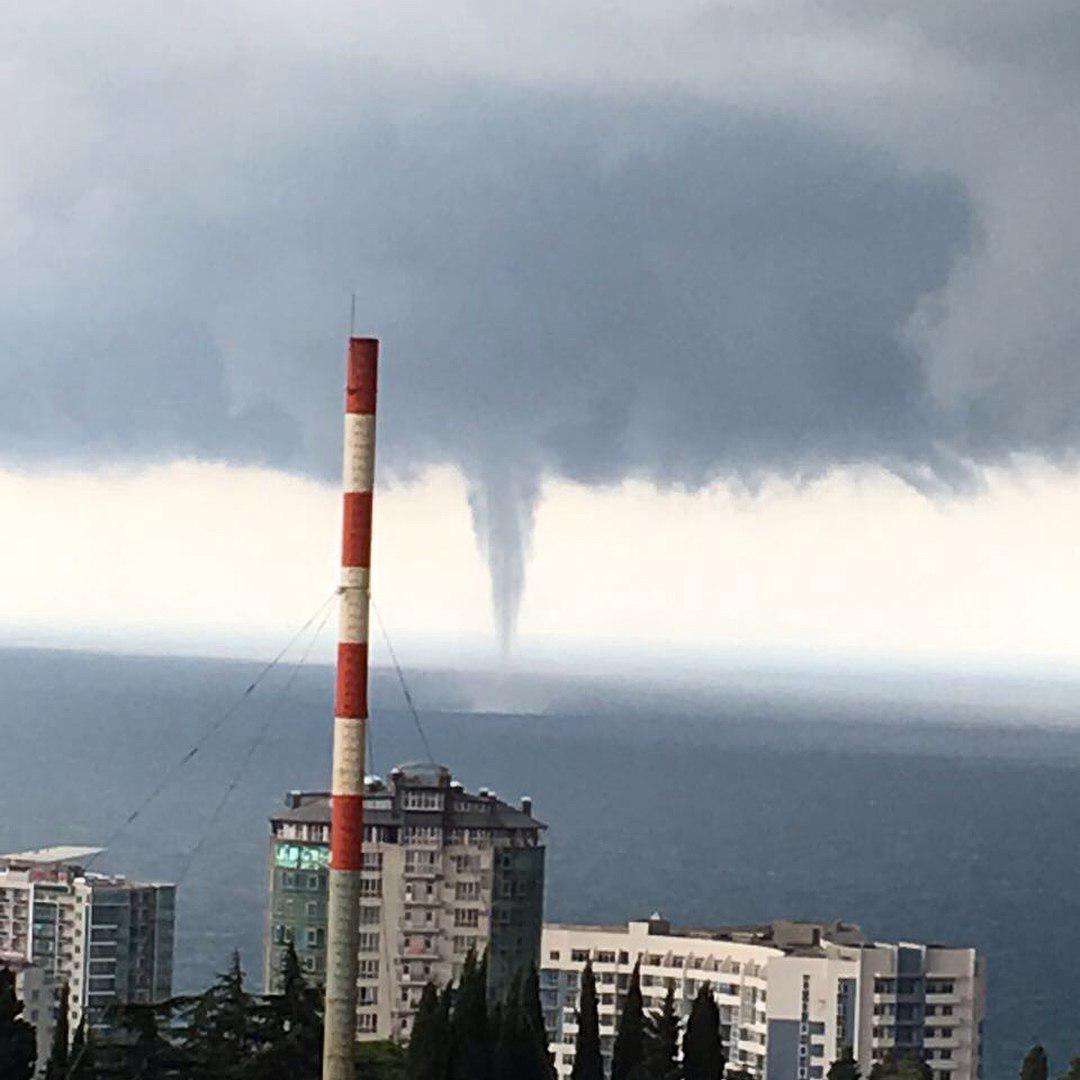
(502, 499)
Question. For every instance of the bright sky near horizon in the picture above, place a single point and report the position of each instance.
(218, 559)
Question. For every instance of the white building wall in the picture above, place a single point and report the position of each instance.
(735, 971)
(790, 1012)
(38, 1002)
(63, 936)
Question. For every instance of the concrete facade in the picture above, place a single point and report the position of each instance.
(110, 939)
(444, 871)
(39, 1003)
(791, 995)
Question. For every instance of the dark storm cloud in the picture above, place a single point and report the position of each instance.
(569, 286)
(644, 283)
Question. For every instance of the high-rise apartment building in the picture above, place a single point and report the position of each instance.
(792, 995)
(444, 871)
(108, 938)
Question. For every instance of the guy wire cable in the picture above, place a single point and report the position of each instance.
(171, 772)
(256, 742)
(404, 685)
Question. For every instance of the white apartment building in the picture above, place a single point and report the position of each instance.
(792, 995)
(108, 938)
(444, 871)
(38, 1002)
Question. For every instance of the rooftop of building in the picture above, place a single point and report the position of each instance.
(383, 805)
(63, 864)
(791, 936)
(60, 855)
(795, 937)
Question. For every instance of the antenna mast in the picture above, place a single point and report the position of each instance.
(350, 714)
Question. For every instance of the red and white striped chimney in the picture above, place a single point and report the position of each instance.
(350, 715)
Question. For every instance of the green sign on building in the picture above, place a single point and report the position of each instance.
(302, 856)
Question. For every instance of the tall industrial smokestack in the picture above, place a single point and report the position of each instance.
(350, 715)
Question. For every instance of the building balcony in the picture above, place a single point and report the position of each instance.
(407, 978)
(419, 952)
(418, 926)
(435, 900)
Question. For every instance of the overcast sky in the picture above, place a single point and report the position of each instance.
(800, 279)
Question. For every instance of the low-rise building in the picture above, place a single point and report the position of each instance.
(110, 939)
(792, 995)
(444, 871)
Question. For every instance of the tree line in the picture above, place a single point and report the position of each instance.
(648, 1045)
(228, 1033)
(224, 1033)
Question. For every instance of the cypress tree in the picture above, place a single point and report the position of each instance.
(81, 1060)
(506, 1031)
(427, 1056)
(470, 1057)
(703, 1050)
(1035, 1065)
(662, 1040)
(518, 1035)
(630, 1038)
(56, 1068)
(588, 1064)
(844, 1067)
(18, 1042)
(542, 1065)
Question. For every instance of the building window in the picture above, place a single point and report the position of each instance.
(553, 955)
(420, 861)
(579, 956)
(422, 800)
(422, 834)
